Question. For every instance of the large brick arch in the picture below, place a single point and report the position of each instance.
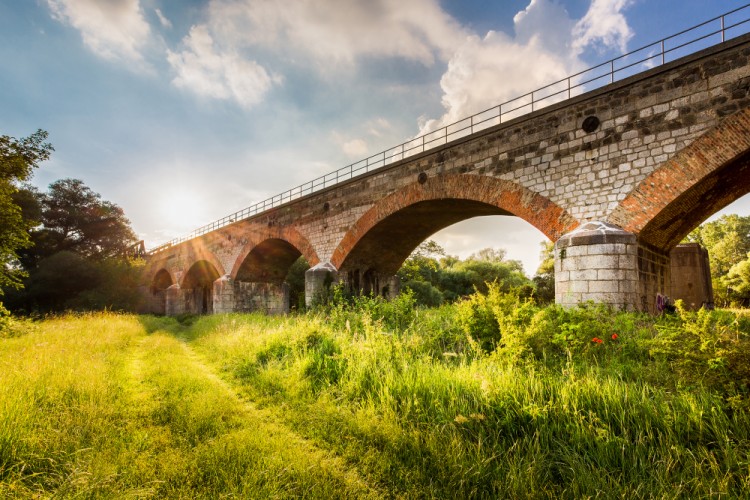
(698, 181)
(399, 222)
(283, 241)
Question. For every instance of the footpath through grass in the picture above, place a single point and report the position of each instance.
(492, 398)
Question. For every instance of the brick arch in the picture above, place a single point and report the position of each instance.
(162, 279)
(197, 255)
(288, 235)
(446, 199)
(701, 179)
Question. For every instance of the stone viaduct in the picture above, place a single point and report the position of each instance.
(616, 177)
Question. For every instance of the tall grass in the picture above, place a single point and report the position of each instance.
(491, 398)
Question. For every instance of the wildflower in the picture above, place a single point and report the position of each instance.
(597, 340)
(615, 336)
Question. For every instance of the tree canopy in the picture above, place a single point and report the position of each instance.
(436, 277)
(74, 218)
(18, 159)
(727, 240)
(78, 258)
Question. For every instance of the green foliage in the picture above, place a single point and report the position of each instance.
(18, 158)
(78, 258)
(450, 279)
(727, 240)
(295, 278)
(544, 279)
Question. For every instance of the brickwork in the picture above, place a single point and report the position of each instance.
(671, 147)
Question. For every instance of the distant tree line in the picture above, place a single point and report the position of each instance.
(436, 277)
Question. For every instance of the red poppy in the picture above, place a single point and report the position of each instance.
(597, 340)
(614, 336)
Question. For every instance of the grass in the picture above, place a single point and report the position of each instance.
(378, 400)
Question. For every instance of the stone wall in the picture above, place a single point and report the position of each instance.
(597, 262)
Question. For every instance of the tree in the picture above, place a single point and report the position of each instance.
(727, 240)
(18, 159)
(544, 280)
(79, 258)
(76, 219)
(738, 279)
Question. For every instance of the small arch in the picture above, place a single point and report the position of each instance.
(157, 299)
(701, 179)
(197, 287)
(388, 232)
(161, 281)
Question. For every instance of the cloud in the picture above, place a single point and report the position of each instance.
(605, 24)
(165, 23)
(484, 72)
(114, 30)
(206, 70)
(340, 31)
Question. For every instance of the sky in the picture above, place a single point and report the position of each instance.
(184, 112)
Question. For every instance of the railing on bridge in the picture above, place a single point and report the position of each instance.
(712, 32)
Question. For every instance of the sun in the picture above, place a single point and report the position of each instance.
(182, 210)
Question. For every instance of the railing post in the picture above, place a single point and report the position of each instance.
(471, 123)
(612, 71)
(568, 87)
(662, 52)
(423, 143)
(722, 29)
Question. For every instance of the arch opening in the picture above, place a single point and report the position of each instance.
(157, 301)
(384, 248)
(373, 265)
(197, 288)
(268, 262)
(271, 277)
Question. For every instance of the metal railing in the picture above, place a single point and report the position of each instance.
(706, 34)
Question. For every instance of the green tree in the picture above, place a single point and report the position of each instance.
(544, 280)
(79, 258)
(75, 219)
(727, 240)
(18, 159)
(738, 279)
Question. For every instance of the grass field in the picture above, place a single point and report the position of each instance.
(488, 399)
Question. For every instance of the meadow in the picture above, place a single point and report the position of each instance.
(492, 397)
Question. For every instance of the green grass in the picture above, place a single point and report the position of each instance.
(493, 399)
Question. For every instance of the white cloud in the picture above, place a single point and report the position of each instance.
(114, 30)
(165, 23)
(208, 71)
(340, 31)
(484, 72)
(604, 24)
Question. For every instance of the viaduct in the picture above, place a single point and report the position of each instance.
(615, 176)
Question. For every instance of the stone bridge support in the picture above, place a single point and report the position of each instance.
(601, 262)
(231, 295)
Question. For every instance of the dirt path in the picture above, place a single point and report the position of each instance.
(161, 364)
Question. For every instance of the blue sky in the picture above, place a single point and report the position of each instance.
(183, 112)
